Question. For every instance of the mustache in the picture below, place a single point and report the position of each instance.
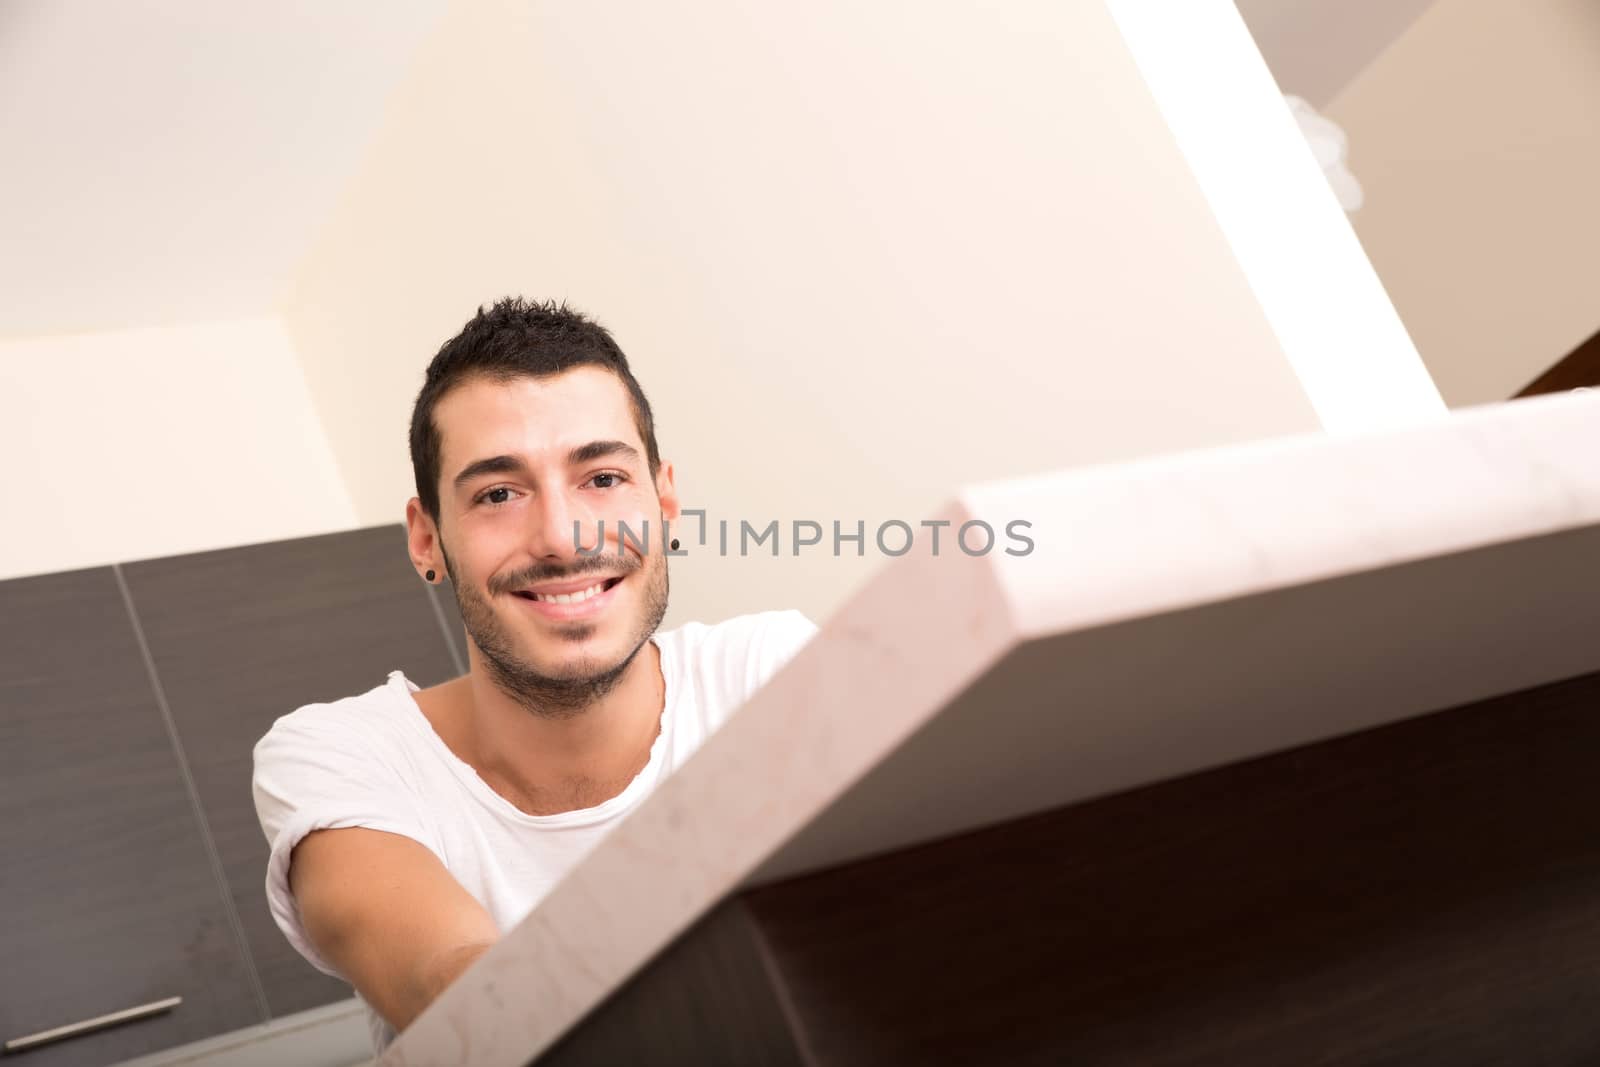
(606, 567)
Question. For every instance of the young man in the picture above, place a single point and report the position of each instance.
(410, 828)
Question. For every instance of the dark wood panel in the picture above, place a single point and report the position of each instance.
(1580, 367)
(109, 894)
(708, 1001)
(241, 636)
(1423, 893)
(1427, 892)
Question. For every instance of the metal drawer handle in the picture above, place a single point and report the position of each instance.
(99, 1022)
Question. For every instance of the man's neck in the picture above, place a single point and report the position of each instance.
(545, 765)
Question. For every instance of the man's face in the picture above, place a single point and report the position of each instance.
(521, 462)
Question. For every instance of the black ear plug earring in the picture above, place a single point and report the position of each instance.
(674, 544)
(430, 576)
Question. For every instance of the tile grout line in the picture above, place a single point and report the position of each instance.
(218, 875)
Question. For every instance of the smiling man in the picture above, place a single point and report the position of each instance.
(409, 828)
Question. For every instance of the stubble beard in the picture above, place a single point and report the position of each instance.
(585, 682)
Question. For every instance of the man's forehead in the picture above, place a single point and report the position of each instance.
(483, 417)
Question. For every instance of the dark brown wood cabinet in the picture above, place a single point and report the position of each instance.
(1421, 894)
(241, 636)
(108, 885)
(131, 699)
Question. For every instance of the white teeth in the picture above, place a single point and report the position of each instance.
(570, 598)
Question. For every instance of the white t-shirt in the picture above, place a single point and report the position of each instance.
(374, 760)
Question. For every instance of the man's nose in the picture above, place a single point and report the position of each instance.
(563, 525)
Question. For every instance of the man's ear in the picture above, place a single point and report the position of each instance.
(667, 492)
(422, 540)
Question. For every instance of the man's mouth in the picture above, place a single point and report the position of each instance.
(572, 592)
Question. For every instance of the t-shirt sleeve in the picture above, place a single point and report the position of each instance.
(312, 772)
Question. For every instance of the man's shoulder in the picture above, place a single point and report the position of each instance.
(735, 657)
(363, 718)
(740, 634)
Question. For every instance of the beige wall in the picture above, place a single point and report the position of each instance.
(1475, 138)
(153, 442)
(1315, 47)
(853, 270)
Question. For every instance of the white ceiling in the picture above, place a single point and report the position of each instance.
(170, 160)
(1317, 47)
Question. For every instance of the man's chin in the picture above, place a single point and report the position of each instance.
(565, 656)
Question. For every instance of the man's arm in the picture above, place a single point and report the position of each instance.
(382, 909)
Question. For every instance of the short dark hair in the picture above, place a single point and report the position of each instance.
(516, 339)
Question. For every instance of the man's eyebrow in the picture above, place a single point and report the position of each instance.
(599, 450)
(490, 465)
(512, 465)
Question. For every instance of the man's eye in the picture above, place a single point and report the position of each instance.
(617, 479)
(488, 495)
